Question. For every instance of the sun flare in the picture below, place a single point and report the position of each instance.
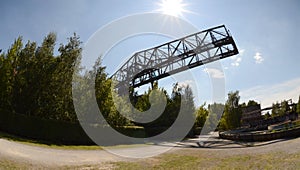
(172, 7)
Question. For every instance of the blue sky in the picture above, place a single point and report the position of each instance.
(266, 32)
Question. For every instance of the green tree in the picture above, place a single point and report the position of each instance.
(188, 100)
(4, 103)
(65, 66)
(284, 108)
(24, 89)
(232, 112)
(110, 109)
(201, 115)
(267, 115)
(181, 100)
(298, 106)
(143, 102)
(252, 103)
(35, 82)
(216, 111)
(187, 106)
(275, 109)
(41, 74)
(173, 106)
(9, 70)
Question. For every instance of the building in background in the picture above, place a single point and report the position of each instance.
(251, 116)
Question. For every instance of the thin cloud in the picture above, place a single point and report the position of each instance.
(242, 51)
(214, 73)
(185, 83)
(268, 95)
(237, 60)
(258, 58)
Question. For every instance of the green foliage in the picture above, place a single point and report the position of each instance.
(9, 69)
(275, 109)
(252, 103)
(201, 115)
(280, 109)
(216, 111)
(232, 112)
(284, 108)
(35, 82)
(209, 117)
(50, 131)
(298, 106)
(181, 100)
(267, 115)
(188, 100)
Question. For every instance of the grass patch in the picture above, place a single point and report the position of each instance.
(127, 146)
(56, 146)
(6, 164)
(270, 161)
(88, 167)
(261, 161)
(66, 147)
(11, 165)
(200, 161)
(46, 144)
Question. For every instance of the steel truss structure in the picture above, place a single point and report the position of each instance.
(176, 56)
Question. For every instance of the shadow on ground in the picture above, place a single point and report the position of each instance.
(214, 142)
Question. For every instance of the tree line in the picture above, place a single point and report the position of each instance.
(35, 81)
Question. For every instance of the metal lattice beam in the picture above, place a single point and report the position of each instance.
(179, 55)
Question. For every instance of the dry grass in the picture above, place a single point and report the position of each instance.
(193, 160)
(190, 159)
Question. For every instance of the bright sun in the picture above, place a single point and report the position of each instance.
(172, 7)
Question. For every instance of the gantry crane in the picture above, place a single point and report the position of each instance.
(176, 56)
